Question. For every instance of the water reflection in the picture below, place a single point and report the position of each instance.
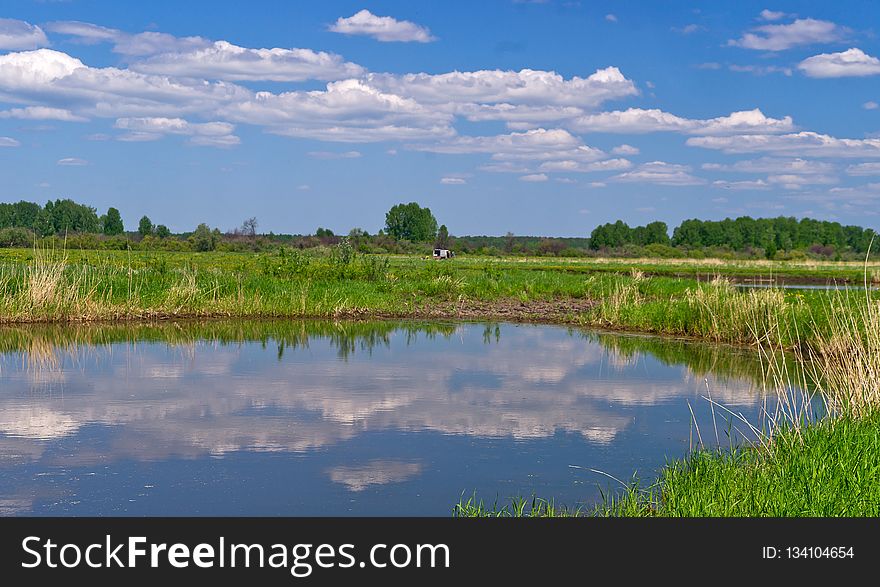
(103, 419)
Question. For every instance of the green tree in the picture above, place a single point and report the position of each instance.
(656, 233)
(203, 239)
(162, 231)
(145, 226)
(411, 222)
(113, 222)
(442, 241)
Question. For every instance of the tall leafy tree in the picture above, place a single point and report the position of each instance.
(411, 222)
(442, 241)
(113, 222)
(145, 226)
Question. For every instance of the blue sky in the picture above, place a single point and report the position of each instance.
(531, 117)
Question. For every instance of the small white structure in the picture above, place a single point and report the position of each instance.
(443, 254)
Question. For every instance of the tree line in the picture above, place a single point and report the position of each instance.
(767, 235)
(409, 227)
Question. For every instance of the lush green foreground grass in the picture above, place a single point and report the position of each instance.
(830, 468)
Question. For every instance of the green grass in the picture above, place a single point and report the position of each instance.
(828, 469)
(65, 286)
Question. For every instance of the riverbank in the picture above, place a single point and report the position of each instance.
(74, 286)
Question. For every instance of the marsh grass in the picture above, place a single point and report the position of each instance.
(517, 507)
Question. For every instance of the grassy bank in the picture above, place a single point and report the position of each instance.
(45, 286)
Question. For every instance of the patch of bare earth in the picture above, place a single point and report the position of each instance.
(512, 310)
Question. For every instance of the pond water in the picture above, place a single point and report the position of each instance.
(346, 418)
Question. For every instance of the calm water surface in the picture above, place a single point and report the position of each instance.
(317, 418)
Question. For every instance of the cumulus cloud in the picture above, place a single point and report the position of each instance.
(625, 150)
(223, 60)
(802, 143)
(72, 162)
(771, 15)
(453, 180)
(538, 144)
(59, 80)
(527, 86)
(134, 45)
(778, 37)
(347, 111)
(850, 63)
(18, 34)
(638, 120)
(41, 113)
(213, 134)
(382, 28)
(870, 105)
(534, 177)
(582, 167)
(659, 172)
(8, 142)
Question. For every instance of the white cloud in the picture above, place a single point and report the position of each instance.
(534, 177)
(638, 120)
(347, 111)
(453, 181)
(222, 60)
(625, 150)
(793, 181)
(18, 34)
(864, 169)
(581, 167)
(135, 45)
(797, 144)
(611, 18)
(57, 79)
(527, 86)
(565, 180)
(537, 144)
(850, 63)
(870, 105)
(8, 142)
(381, 28)
(213, 134)
(41, 113)
(72, 162)
(760, 69)
(771, 15)
(758, 184)
(778, 37)
(594, 184)
(334, 154)
(775, 166)
(659, 172)
(304, 187)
